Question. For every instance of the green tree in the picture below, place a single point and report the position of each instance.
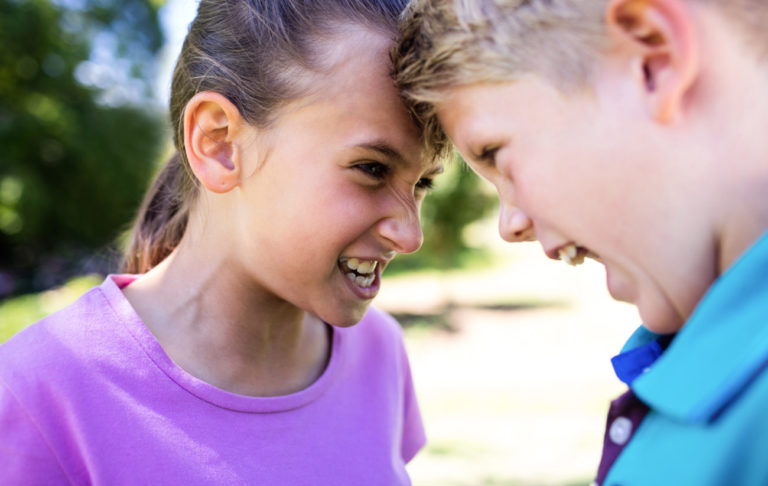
(79, 132)
(459, 198)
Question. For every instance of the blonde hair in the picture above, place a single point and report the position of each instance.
(449, 43)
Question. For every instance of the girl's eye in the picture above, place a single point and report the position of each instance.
(376, 170)
(425, 183)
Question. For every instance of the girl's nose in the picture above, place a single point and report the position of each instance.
(402, 230)
(515, 225)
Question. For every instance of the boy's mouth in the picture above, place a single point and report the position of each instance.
(359, 272)
(573, 254)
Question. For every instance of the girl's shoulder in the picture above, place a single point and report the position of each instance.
(61, 343)
(378, 335)
(377, 322)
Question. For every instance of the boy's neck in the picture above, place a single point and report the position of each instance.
(733, 110)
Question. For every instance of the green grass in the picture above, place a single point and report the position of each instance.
(19, 312)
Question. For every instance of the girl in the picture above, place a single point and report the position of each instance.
(230, 352)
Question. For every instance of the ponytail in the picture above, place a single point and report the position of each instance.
(162, 218)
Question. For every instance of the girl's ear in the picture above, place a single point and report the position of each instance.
(662, 41)
(211, 126)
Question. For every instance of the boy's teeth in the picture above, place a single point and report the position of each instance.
(572, 255)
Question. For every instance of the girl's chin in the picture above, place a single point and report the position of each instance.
(347, 316)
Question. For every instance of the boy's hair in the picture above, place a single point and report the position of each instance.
(260, 55)
(450, 43)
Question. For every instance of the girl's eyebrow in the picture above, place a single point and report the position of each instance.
(391, 153)
(384, 149)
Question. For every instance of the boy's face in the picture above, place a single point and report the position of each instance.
(587, 170)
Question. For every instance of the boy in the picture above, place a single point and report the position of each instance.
(630, 131)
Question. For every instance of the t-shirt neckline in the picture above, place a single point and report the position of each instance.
(111, 288)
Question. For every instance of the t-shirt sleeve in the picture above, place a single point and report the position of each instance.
(414, 436)
(25, 457)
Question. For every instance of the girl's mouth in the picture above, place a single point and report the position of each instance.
(359, 272)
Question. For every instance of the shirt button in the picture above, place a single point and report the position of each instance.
(620, 431)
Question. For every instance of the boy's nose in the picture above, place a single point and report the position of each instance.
(402, 230)
(515, 225)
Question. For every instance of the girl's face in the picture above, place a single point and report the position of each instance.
(332, 191)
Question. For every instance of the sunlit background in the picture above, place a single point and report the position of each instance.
(510, 351)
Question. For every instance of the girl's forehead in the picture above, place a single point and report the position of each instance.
(348, 41)
(352, 101)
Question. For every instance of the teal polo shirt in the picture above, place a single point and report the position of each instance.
(707, 392)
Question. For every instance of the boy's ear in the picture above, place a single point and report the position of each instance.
(211, 126)
(661, 37)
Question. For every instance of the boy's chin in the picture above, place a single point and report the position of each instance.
(661, 319)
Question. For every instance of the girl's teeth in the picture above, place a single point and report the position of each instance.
(360, 280)
(366, 267)
(360, 266)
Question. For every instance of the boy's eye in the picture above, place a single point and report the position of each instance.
(488, 155)
(376, 170)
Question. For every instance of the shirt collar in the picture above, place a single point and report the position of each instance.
(720, 349)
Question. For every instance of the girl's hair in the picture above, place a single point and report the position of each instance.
(449, 43)
(258, 54)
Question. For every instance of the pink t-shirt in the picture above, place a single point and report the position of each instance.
(88, 396)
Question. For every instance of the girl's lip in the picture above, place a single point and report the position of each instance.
(364, 293)
(382, 261)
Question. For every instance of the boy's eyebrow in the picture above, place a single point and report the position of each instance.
(386, 150)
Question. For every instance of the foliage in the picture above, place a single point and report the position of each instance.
(18, 312)
(459, 198)
(81, 134)
(77, 148)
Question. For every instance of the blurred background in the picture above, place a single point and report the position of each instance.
(510, 351)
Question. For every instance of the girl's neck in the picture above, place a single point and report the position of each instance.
(225, 329)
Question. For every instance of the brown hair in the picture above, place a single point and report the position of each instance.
(448, 43)
(257, 53)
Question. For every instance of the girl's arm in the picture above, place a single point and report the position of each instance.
(25, 456)
(414, 436)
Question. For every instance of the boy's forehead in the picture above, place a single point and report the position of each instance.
(478, 106)
(467, 108)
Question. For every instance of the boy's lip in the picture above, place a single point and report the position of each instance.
(554, 252)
